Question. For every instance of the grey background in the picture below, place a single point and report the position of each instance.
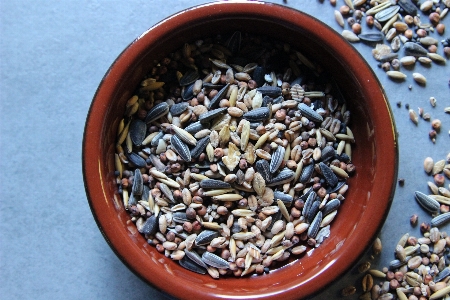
(53, 55)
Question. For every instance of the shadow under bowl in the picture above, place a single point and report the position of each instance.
(375, 156)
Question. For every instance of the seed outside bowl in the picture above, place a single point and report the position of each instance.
(360, 216)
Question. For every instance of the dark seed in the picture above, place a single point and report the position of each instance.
(262, 166)
(236, 227)
(138, 184)
(331, 206)
(257, 115)
(137, 131)
(196, 127)
(136, 159)
(309, 201)
(181, 148)
(408, 7)
(214, 260)
(195, 257)
(254, 125)
(328, 174)
(214, 184)
(312, 211)
(283, 177)
(182, 235)
(271, 91)
(188, 264)
(395, 264)
(157, 112)
(442, 275)
(278, 100)
(266, 100)
(277, 159)
(180, 217)
(335, 188)
(327, 153)
(145, 192)
(189, 77)
(306, 174)
(201, 145)
(344, 158)
(132, 200)
(156, 139)
(372, 37)
(258, 75)
(188, 92)
(219, 96)
(313, 229)
(205, 237)
(286, 198)
(210, 86)
(205, 118)
(178, 108)
(150, 226)
(427, 202)
(414, 49)
(306, 195)
(309, 113)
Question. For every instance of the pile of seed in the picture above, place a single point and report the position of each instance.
(400, 25)
(419, 271)
(233, 173)
(421, 268)
(439, 200)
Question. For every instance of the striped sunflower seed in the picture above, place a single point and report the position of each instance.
(440, 220)
(181, 148)
(157, 112)
(310, 113)
(277, 159)
(427, 202)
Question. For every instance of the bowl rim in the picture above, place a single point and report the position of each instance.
(120, 63)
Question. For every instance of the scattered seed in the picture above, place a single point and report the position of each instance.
(350, 36)
(436, 57)
(339, 18)
(396, 75)
(428, 164)
(419, 78)
(413, 116)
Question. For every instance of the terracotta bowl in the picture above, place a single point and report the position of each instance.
(375, 153)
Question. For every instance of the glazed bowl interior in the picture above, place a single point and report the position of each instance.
(375, 153)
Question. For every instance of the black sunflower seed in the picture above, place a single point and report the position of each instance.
(201, 145)
(189, 77)
(178, 108)
(137, 131)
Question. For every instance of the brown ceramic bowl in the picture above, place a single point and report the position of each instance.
(375, 153)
